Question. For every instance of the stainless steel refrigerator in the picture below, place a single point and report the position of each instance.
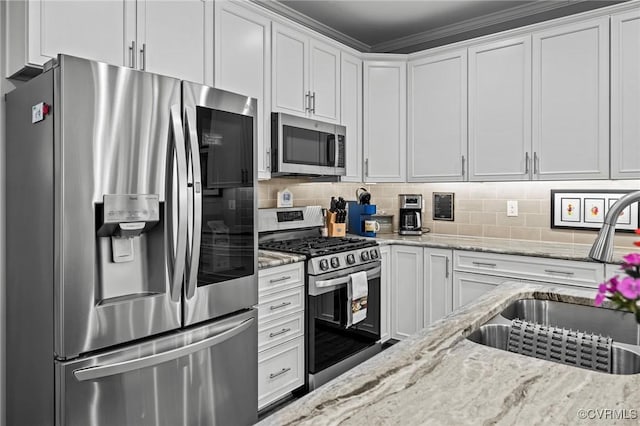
(131, 250)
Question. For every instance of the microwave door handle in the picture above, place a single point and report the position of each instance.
(102, 371)
(193, 258)
(176, 249)
(331, 150)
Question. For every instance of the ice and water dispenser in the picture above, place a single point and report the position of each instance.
(131, 244)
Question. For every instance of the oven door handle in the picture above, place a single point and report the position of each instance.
(371, 273)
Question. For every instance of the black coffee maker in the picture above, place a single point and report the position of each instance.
(410, 214)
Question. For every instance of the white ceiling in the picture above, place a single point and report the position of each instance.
(409, 25)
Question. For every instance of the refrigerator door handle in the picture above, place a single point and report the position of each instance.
(102, 371)
(176, 249)
(193, 148)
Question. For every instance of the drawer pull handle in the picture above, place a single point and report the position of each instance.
(490, 265)
(279, 373)
(551, 271)
(277, 333)
(277, 280)
(282, 305)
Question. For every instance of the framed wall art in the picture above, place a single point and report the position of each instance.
(586, 209)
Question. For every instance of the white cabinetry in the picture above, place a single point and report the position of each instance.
(166, 37)
(625, 95)
(243, 65)
(437, 117)
(385, 293)
(306, 75)
(351, 114)
(500, 110)
(421, 290)
(570, 108)
(280, 332)
(385, 144)
(476, 273)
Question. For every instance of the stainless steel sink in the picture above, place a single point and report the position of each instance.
(621, 327)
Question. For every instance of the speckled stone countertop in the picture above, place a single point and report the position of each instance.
(269, 259)
(438, 377)
(566, 251)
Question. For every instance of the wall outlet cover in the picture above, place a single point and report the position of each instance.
(512, 208)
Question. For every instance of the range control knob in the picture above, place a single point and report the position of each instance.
(374, 254)
(364, 255)
(335, 262)
(324, 265)
(351, 259)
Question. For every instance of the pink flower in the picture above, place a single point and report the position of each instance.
(613, 284)
(631, 260)
(629, 287)
(599, 299)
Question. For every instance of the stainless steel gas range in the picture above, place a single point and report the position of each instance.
(332, 345)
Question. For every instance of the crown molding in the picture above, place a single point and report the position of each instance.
(292, 14)
(472, 24)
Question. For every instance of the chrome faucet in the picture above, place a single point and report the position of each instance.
(602, 248)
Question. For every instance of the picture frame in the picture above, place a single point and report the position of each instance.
(586, 209)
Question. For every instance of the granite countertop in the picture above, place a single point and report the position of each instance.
(567, 251)
(438, 377)
(269, 259)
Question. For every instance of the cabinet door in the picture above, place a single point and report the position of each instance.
(289, 70)
(171, 38)
(385, 293)
(385, 144)
(438, 284)
(571, 101)
(469, 287)
(324, 81)
(93, 30)
(625, 95)
(406, 290)
(437, 118)
(500, 110)
(351, 113)
(243, 65)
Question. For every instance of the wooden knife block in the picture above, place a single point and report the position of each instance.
(335, 229)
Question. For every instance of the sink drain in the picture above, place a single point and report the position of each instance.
(570, 347)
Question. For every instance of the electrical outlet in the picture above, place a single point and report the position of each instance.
(512, 208)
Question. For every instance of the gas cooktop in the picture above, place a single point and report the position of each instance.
(318, 246)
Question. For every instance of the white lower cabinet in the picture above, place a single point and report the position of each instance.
(476, 273)
(420, 288)
(280, 332)
(385, 293)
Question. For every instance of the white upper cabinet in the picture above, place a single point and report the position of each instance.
(38, 30)
(166, 37)
(385, 115)
(437, 117)
(351, 114)
(172, 38)
(243, 65)
(570, 101)
(306, 75)
(500, 110)
(625, 95)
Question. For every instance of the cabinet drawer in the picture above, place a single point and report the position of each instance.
(280, 370)
(280, 304)
(570, 272)
(280, 278)
(280, 330)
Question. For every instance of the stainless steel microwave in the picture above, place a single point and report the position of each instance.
(302, 146)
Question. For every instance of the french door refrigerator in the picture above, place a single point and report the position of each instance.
(131, 250)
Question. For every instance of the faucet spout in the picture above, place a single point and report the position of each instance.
(602, 248)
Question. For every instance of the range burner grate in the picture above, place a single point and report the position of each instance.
(317, 246)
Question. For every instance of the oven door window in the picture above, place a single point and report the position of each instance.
(226, 158)
(331, 341)
(309, 147)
